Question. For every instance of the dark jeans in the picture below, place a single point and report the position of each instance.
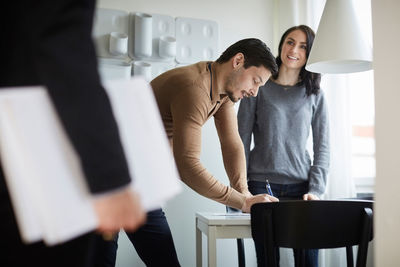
(153, 243)
(284, 192)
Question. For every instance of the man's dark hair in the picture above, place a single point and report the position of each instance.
(255, 51)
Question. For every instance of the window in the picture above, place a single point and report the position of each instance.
(363, 139)
(363, 113)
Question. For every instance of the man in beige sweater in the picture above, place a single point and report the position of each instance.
(187, 97)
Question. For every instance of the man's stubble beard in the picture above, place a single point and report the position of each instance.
(229, 85)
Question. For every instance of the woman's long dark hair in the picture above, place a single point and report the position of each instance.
(311, 80)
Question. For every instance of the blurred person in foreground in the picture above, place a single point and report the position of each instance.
(49, 43)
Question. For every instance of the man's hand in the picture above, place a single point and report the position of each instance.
(310, 197)
(247, 194)
(257, 199)
(119, 210)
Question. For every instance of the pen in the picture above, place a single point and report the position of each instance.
(269, 191)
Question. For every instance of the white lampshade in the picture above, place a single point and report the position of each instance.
(339, 46)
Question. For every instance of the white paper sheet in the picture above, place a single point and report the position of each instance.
(234, 214)
(43, 174)
(149, 156)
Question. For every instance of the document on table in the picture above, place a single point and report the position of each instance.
(43, 173)
(233, 214)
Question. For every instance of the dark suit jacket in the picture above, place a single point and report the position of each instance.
(49, 43)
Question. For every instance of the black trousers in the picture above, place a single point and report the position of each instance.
(153, 243)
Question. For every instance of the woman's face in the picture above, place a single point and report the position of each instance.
(293, 53)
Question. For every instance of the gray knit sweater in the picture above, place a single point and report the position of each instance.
(280, 119)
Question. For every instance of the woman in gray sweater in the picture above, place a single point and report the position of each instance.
(280, 118)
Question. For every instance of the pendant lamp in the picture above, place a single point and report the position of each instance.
(339, 46)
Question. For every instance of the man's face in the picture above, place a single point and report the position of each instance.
(243, 82)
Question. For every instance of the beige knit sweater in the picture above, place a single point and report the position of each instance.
(185, 103)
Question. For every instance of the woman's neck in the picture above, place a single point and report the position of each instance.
(288, 77)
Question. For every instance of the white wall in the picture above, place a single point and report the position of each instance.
(385, 24)
(237, 19)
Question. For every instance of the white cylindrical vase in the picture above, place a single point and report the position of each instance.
(118, 43)
(167, 47)
(143, 35)
(143, 69)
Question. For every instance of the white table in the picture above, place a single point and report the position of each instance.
(219, 225)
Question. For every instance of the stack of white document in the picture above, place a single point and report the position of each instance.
(43, 173)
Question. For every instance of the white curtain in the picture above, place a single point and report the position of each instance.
(338, 94)
(340, 184)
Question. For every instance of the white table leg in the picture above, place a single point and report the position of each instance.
(199, 247)
(212, 247)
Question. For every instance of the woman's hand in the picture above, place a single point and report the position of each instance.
(310, 197)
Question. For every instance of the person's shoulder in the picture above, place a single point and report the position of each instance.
(269, 84)
(265, 89)
(183, 76)
(321, 93)
(320, 96)
(320, 99)
(194, 80)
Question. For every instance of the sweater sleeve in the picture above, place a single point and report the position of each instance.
(232, 147)
(320, 129)
(188, 113)
(246, 119)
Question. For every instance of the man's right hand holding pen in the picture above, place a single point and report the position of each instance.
(260, 198)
